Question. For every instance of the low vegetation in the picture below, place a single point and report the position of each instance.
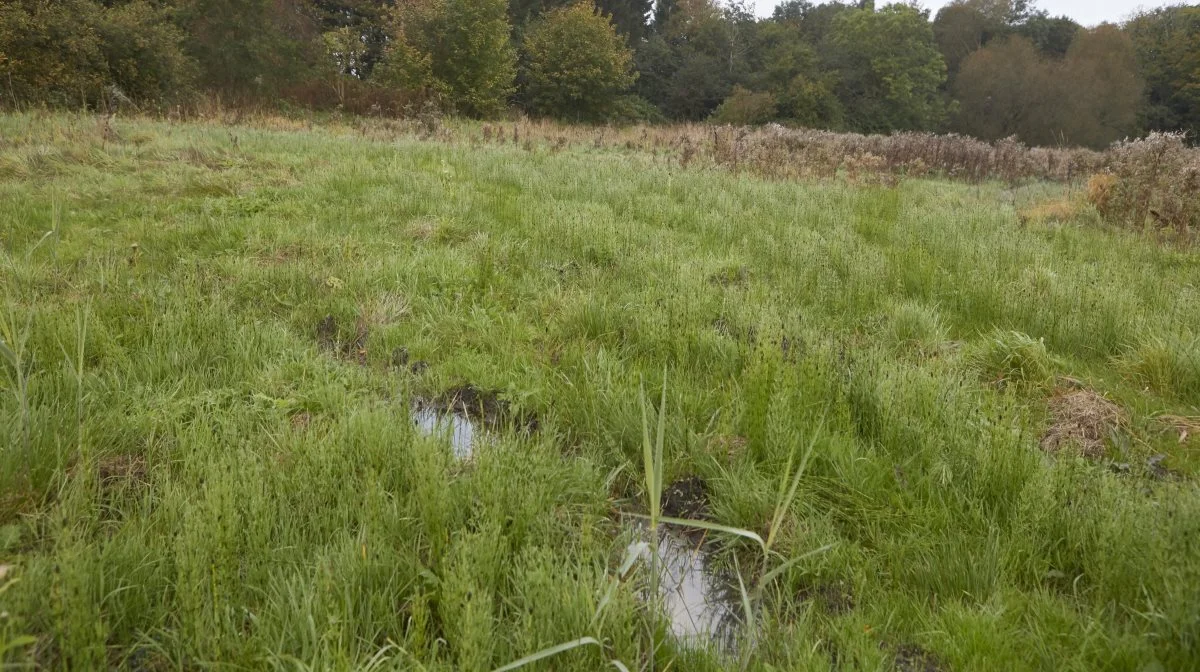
(910, 428)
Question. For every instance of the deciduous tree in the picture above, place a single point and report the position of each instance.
(576, 64)
(890, 71)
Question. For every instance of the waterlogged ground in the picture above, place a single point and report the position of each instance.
(302, 398)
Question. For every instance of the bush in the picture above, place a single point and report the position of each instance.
(51, 52)
(576, 65)
(746, 108)
(1152, 181)
(79, 53)
(456, 51)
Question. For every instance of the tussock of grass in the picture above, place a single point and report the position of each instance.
(917, 326)
(193, 473)
(1011, 358)
(1166, 363)
(1061, 210)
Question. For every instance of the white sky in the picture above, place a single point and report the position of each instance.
(1087, 12)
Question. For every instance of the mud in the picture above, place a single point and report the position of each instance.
(913, 658)
(686, 498)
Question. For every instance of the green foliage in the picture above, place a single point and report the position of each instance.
(690, 67)
(630, 17)
(576, 65)
(1007, 89)
(961, 28)
(407, 62)
(365, 18)
(1167, 44)
(833, 66)
(79, 52)
(1051, 35)
(789, 67)
(1090, 98)
(460, 48)
(746, 108)
(248, 48)
(889, 70)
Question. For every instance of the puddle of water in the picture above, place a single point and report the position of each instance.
(460, 430)
(702, 606)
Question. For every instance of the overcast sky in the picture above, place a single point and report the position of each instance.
(1087, 12)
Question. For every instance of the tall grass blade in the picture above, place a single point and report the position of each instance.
(766, 578)
(715, 527)
(785, 499)
(550, 652)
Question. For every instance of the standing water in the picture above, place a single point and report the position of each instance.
(701, 605)
(460, 429)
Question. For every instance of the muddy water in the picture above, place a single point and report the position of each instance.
(461, 431)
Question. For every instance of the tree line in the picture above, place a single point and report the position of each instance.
(988, 68)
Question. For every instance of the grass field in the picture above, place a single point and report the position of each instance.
(216, 338)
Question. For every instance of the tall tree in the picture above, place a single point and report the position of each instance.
(524, 13)
(789, 67)
(1089, 98)
(1008, 88)
(960, 29)
(630, 17)
(248, 46)
(1102, 85)
(890, 71)
(1051, 35)
(364, 19)
(1167, 44)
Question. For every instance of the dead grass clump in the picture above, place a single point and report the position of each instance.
(1082, 419)
(1100, 190)
(1058, 210)
(202, 158)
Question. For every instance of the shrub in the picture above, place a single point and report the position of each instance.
(1099, 192)
(79, 53)
(458, 50)
(746, 108)
(1155, 181)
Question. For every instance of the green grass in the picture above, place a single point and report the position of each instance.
(188, 479)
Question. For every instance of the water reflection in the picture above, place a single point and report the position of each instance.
(701, 604)
(461, 431)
